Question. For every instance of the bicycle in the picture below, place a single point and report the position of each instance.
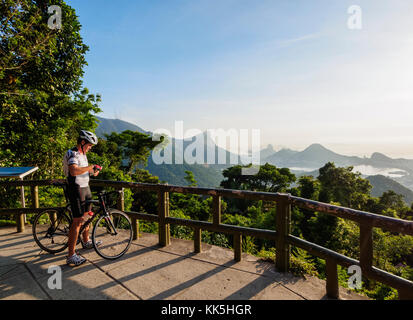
(112, 227)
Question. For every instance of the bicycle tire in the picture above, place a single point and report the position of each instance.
(51, 238)
(113, 246)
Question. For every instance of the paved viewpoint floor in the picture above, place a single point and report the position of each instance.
(147, 271)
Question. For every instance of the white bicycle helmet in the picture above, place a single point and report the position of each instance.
(89, 137)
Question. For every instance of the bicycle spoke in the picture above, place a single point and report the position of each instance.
(50, 230)
(113, 242)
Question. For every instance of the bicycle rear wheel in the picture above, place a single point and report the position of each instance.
(115, 233)
(51, 230)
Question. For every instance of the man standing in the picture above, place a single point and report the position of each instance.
(77, 171)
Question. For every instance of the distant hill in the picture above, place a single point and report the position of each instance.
(382, 184)
(107, 126)
(314, 156)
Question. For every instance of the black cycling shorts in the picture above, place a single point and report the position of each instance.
(77, 197)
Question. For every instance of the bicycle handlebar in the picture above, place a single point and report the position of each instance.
(92, 201)
(105, 193)
(97, 168)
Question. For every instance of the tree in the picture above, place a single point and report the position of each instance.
(309, 189)
(390, 200)
(43, 104)
(268, 179)
(343, 186)
(190, 178)
(36, 57)
(134, 148)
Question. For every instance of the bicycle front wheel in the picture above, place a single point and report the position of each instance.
(51, 230)
(112, 235)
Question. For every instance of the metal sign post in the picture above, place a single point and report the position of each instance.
(18, 173)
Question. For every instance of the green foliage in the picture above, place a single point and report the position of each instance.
(343, 186)
(190, 178)
(133, 148)
(268, 179)
(391, 204)
(299, 266)
(43, 106)
(382, 292)
(217, 239)
(148, 226)
(7, 223)
(178, 231)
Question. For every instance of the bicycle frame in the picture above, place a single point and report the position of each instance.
(102, 209)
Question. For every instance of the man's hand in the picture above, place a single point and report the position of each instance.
(75, 170)
(96, 169)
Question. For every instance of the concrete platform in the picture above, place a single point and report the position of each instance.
(148, 272)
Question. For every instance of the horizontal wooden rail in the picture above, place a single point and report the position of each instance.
(143, 216)
(321, 252)
(243, 194)
(14, 211)
(224, 228)
(372, 219)
(281, 236)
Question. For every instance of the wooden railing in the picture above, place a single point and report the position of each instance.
(281, 236)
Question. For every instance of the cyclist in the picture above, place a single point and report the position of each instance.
(77, 171)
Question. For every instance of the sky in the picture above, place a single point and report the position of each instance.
(292, 69)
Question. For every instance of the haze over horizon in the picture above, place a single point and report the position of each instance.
(293, 69)
(345, 150)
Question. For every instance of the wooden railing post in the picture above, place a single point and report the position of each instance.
(35, 196)
(163, 212)
(197, 240)
(34, 192)
(216, 209)
(121, 207)
(366, 248)
(237, 246)
(135, 228)
(121, 200)
(283, 228)
(332, 279)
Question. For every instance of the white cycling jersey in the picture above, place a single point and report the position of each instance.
(73, 156)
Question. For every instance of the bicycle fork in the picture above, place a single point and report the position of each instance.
(111, 224)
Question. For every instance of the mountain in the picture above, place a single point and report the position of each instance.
(267, 152)
(107, 126)
(382, 184)
(277, 157)
(207, 171)
(315, 156)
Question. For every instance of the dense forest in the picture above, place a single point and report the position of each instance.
(44, 105)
